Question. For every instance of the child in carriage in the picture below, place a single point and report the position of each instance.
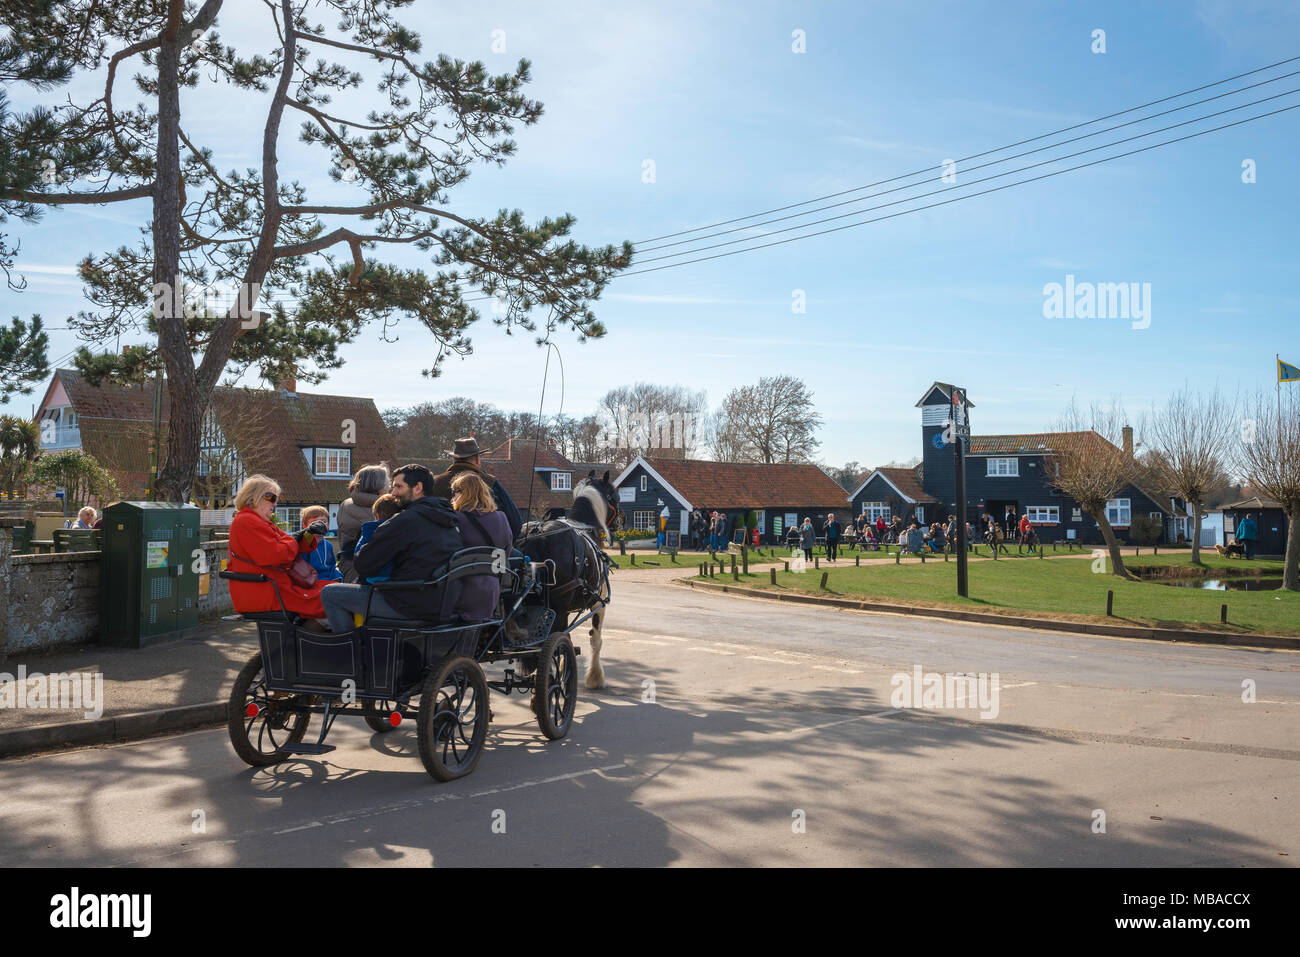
(385, 507)
(321, 557)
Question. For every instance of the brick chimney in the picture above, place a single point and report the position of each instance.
(1128, 443)
(287, 384)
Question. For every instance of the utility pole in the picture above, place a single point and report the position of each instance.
(959, 433)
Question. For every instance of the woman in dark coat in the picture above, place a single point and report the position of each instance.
(481, 524)
(364, 490)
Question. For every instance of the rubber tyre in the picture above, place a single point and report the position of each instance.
(376, 717)
(452, 722)
(555, 689)
(260, 741)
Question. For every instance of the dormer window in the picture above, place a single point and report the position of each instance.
(561, 481)
(332, 463)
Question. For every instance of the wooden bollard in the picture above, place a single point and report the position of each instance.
(945, 554)
(744, 557)
(1223, 614)
(773, 571)
(922, 553)
(735, 572)
(825, 575)
(1110, 603)
(898, 556)
(1155, 549)
(857, 561)
(622, 547)
(817, 562)
(634, 558)
(1040, 551)
(787, 567)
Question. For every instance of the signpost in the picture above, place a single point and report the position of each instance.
(960, 426)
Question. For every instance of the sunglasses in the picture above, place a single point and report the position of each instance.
(271, 497)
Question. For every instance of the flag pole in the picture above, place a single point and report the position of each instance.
(1278, 368)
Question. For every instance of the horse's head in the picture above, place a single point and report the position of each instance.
(603, 496)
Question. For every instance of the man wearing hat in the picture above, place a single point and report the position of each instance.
(465, 458)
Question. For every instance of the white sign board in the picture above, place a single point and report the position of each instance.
(627, 494)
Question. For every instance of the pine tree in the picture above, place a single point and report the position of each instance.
(255, 235)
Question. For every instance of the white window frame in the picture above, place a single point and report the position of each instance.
(342, 463)
(644, 521)
(561, 481)
(1043, 514)
(645, 483)
(875, 510)
(918, 513)
(289, 516)
(997, 471)
(1122, 509)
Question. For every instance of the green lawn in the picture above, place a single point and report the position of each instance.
(1062, 587)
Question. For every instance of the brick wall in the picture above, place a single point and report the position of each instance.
(48, 602)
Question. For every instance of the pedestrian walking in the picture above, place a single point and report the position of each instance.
(807, 538)
(832, 537)
(1247, 532)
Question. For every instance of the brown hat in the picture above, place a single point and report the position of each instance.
(465, 449)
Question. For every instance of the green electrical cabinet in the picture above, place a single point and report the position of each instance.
(149, 586)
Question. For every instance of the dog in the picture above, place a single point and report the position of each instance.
(1233, 549)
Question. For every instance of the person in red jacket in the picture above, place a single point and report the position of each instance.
(258, 546)
(1026, 526)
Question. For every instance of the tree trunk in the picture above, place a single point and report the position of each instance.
(185, 413)
(1108, 535)
(1196, 533)
(1291, 567)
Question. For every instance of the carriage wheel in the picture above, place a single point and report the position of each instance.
(260, 738)
(452, 722)
(376, 714)
(555, 689)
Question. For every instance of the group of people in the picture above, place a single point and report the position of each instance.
(402, 525)
(708, 528)
(914, 537)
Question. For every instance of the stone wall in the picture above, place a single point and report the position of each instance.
(49, 602)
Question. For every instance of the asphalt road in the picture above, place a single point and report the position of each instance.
(742, 732)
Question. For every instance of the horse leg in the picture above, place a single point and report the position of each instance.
(595, 673)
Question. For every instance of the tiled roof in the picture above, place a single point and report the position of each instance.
(1042, 443)
(512, 463)
(908, 481)
(1258, 501)
(725, 485)
(116, 422)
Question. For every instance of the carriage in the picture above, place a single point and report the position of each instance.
(388, 671)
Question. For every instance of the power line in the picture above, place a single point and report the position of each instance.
(948, 189)
(1007, 159)
(1065, 129)
(955, 199)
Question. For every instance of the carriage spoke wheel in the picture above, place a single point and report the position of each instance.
(452, 722)
(555, 689)
(263, 723)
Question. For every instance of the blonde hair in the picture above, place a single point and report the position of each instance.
(470, 493)
(254, 487)
(313, 512)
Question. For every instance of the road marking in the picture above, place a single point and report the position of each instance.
(779, 661)
(1023, 684)
(731, 644)
(710, 651)
(670, 638)
(847, 671)
(833, 724)
(647, 641)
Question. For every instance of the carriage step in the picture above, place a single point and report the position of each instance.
(309, 748)
(537, 621)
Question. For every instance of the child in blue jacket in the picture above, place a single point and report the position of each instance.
(321, 557)
(385, 507)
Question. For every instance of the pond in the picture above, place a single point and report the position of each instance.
(1244, 583)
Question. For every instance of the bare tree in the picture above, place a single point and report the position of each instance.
(773, 421)
(1270, 461)
(1191, 442)
(1091, 466)
(242, 426)
(650, 419)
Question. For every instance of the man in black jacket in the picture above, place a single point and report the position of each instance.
(417, 541)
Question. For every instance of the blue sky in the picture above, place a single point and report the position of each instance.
(736, 122)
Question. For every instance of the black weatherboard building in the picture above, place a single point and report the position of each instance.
(1002, 472)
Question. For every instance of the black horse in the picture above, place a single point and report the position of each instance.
(572, 546)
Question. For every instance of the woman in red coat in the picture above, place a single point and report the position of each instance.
(257, 546)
